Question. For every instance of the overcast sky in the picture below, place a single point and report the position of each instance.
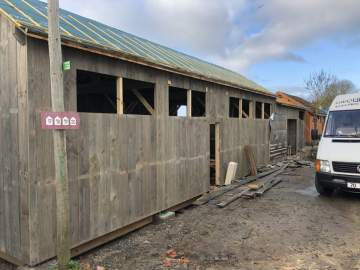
(276, 43)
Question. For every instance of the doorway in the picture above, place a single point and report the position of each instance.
(292, 136)
(214, 154)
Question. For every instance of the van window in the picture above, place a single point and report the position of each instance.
(343, 124)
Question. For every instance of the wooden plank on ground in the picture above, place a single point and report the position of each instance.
(267, 186)
(247, 192)
(210, 196)
(232, 199)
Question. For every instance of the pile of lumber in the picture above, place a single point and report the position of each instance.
(259, 181)
(255, 189)
(249, 187)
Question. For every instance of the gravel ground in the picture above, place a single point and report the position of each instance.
(288, 228)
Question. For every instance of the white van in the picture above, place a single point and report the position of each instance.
(338, 157)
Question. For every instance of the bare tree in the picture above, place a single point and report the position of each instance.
(324, 87)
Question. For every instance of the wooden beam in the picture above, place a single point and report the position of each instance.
(110, 101)
(267, 115)
(120, 96)
(240, 108)
(143, 101)
(184, 204)
(75, 251)
(11, 259)
(189, 104)
(251, 109)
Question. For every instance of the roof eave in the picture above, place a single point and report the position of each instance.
(291, 106)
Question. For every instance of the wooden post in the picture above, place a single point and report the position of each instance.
(189, 104)
(120, 95)
(262, 110)
(251, 109)
(59, 136)
(240, 108)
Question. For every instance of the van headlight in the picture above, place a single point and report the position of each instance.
(322, 166)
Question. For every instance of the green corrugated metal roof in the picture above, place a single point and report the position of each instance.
(32, 14)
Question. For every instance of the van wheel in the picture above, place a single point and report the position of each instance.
(324, 191)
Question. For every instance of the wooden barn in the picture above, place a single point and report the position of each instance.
(314, 119)
(287, 127)
(158, 127)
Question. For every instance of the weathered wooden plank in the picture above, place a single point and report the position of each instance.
(10, 178)
(23, 148)
(120, 95)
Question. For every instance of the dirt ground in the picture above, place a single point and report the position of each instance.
(288, 228)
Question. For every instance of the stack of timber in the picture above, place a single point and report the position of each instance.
(277, 150)
(240, 188)
(255, 189)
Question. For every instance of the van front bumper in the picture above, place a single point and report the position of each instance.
(337, 180)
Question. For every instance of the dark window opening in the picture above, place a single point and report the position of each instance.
(301, 115)
(177, 101)
(96, 93)
(138, 97)
(234, 107)
(267, 110)
(245, 108)
(198, 104)
(258, 110)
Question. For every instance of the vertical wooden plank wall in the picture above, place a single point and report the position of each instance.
(14, 241)
(122, 168)
(240, 132)
(279, 126)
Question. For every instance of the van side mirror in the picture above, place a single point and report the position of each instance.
(314, 135)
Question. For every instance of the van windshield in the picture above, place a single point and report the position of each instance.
(343, 124)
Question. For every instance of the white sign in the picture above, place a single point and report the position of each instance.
(65, 121)
(57, 121)
(72, 121)
(49, 121)
(60, 120)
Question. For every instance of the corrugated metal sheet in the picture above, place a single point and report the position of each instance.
(32, 14)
